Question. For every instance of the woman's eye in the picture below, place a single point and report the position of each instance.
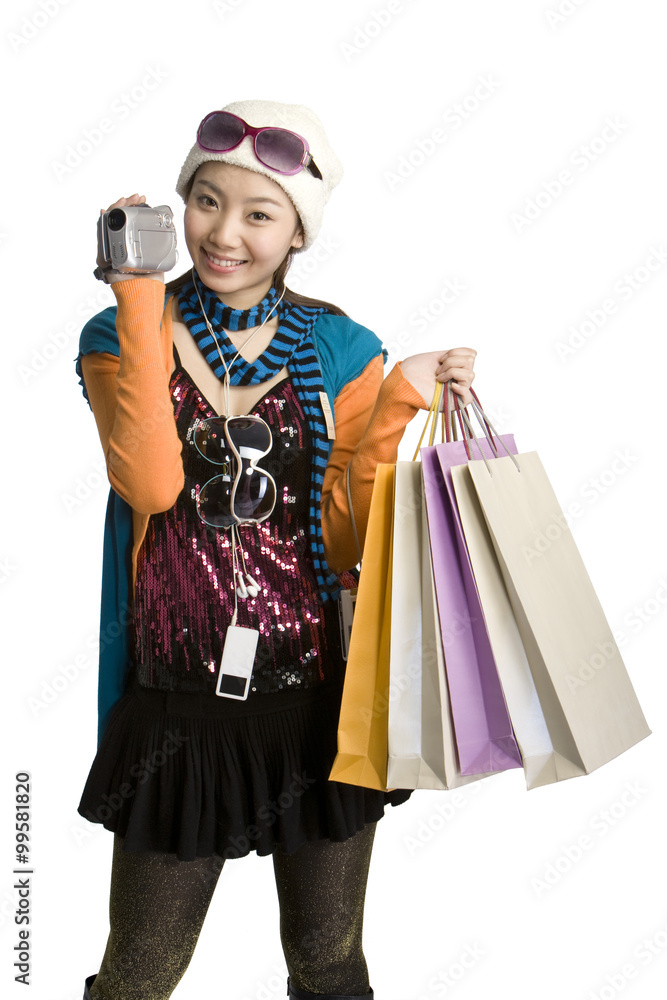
(203, 198)
(259, 216)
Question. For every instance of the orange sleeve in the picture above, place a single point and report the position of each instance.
(370, 418)
(130, 398)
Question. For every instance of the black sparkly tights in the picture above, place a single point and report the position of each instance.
(158, 904)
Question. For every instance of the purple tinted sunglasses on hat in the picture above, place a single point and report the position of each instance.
(277, 148)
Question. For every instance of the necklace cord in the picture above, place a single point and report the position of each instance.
(235, 537)
(227, 380)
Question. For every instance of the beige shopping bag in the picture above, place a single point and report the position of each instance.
(542, 763)
(587, 698)
(404, 764)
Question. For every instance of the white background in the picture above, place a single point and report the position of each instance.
(382, 76)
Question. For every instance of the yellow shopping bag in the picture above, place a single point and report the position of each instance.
(363, 722)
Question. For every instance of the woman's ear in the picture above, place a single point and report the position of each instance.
(298, 238)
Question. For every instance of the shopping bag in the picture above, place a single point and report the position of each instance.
(485, 739)
(421, 748)
(362, 725)
(405, 766)
(586, 696)
(420, 742)
(440, 767)
(542, 763)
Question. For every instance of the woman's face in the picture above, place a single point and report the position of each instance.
(239, 226)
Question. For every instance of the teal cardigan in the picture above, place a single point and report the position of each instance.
(343, 347)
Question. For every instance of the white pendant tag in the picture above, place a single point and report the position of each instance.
(328, 416)
(238, 657)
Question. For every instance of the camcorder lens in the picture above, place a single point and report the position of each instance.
(117, 219)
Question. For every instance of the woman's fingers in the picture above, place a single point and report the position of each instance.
(459, 358)
(467, 352)
(456, 367)
(458, 376)
(134, 199)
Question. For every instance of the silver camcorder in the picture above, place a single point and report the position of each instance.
(136, 240)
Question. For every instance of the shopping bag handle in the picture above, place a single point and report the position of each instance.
(431, 418)
(448, 426)
(351, 509)
(450, 414)
(487, 427)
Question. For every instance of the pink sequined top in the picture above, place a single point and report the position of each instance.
(184, 593)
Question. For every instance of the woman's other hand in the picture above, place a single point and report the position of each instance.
(457, 364)
(113, 276)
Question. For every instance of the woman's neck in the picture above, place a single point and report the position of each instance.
(245, 298)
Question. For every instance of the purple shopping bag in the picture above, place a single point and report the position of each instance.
(483, 731)
(453, 453)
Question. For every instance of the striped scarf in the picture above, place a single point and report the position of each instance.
(292, 347)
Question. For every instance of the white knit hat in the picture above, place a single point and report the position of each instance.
(309, 194)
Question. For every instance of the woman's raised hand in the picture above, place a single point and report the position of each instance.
(457, 364)
(111, 277)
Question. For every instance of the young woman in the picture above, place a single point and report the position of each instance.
(215, 523)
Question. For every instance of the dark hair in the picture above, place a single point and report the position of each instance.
(173, 287)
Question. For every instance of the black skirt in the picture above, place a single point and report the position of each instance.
(195, 775)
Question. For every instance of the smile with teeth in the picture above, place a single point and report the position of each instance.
(223, 261)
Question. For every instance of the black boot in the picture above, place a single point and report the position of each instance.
(89, 982)
(292, 992)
